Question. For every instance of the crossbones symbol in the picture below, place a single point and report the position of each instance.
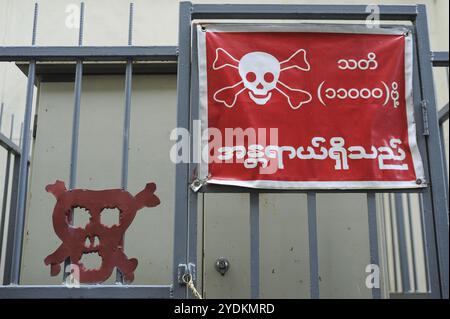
(260, 72)
(95, 237)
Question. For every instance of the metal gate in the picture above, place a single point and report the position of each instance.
(433, 198)
(435, 205)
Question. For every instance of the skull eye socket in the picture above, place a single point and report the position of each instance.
(269, 77)
(80, 217)
(110, 217)
(250, 76)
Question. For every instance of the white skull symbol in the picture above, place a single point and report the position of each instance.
(259, 72)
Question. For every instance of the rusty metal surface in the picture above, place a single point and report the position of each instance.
(96, 237)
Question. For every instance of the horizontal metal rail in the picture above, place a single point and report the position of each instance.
(303, 12)
(439, 59)
(443, 114)
(94, 291)
(88, 53)
(7, 144)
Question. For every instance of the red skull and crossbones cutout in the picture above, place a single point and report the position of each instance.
(260, 75)
(96, 237)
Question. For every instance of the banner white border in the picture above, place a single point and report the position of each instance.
(204, 27)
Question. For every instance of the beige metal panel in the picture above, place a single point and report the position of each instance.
(150, 237)
(342, 235)
(100, 137)
(382, 246)
(227, 234)
(153, 116)
(50, 162)
(343, 245)
(417, 245)
(284, 248)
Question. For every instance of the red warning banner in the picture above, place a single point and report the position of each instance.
(307, 107)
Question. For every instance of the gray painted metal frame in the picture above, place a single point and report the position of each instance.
(7, 275)
(88, 53)
(181, 240)
(425, 198)
(436, 167)
(443, 114)
(439, 59)
(8, 145)
(11, 287)
(434, 203)
(92, 292)
(433, 197)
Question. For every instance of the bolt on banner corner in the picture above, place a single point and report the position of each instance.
(307, 107)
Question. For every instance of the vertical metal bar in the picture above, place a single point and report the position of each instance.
(130, 24)
(6, 189)
(431, 264)
(426, 206)
(194, 148)
(9, 251)
(23, 173)
(75, 122)
(126, 121)
(182, 169)
(394, 241)
(373, 238)
(383, 248)
(400, 219)
(413, 242)
(20, 135)
(254, 245)
(444, 159)
(126, 124)
(423, 233)
(11, 129)
(313, 247)
(76, 110)
(436, 167)
(1, 115)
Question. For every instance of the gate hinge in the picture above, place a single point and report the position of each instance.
(424, 105)
(186, 270)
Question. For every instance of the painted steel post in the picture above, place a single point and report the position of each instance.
(180, 246)
(436, 165)
(23, 172)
